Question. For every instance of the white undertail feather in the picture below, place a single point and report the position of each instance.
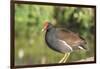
(81, 47)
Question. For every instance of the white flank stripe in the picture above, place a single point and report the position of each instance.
(66, 44)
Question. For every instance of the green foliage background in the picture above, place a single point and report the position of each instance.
(30, 46)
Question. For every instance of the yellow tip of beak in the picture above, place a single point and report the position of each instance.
(42, 30)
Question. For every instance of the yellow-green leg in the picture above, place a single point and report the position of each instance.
(64, 59)
(68, 54)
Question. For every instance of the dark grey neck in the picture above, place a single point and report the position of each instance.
(50, 33)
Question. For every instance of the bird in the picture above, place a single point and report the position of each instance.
(62, 40)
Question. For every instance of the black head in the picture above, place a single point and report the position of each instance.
(47, 26)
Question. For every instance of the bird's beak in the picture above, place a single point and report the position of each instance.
(43, 30)
(45, 27)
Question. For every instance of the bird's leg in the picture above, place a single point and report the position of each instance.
(63, 58)
(68, 54)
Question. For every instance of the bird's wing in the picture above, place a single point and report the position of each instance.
(69, 37)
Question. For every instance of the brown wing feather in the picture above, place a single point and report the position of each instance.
(69, 37)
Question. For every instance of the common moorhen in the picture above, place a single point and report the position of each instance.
(62, 40)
